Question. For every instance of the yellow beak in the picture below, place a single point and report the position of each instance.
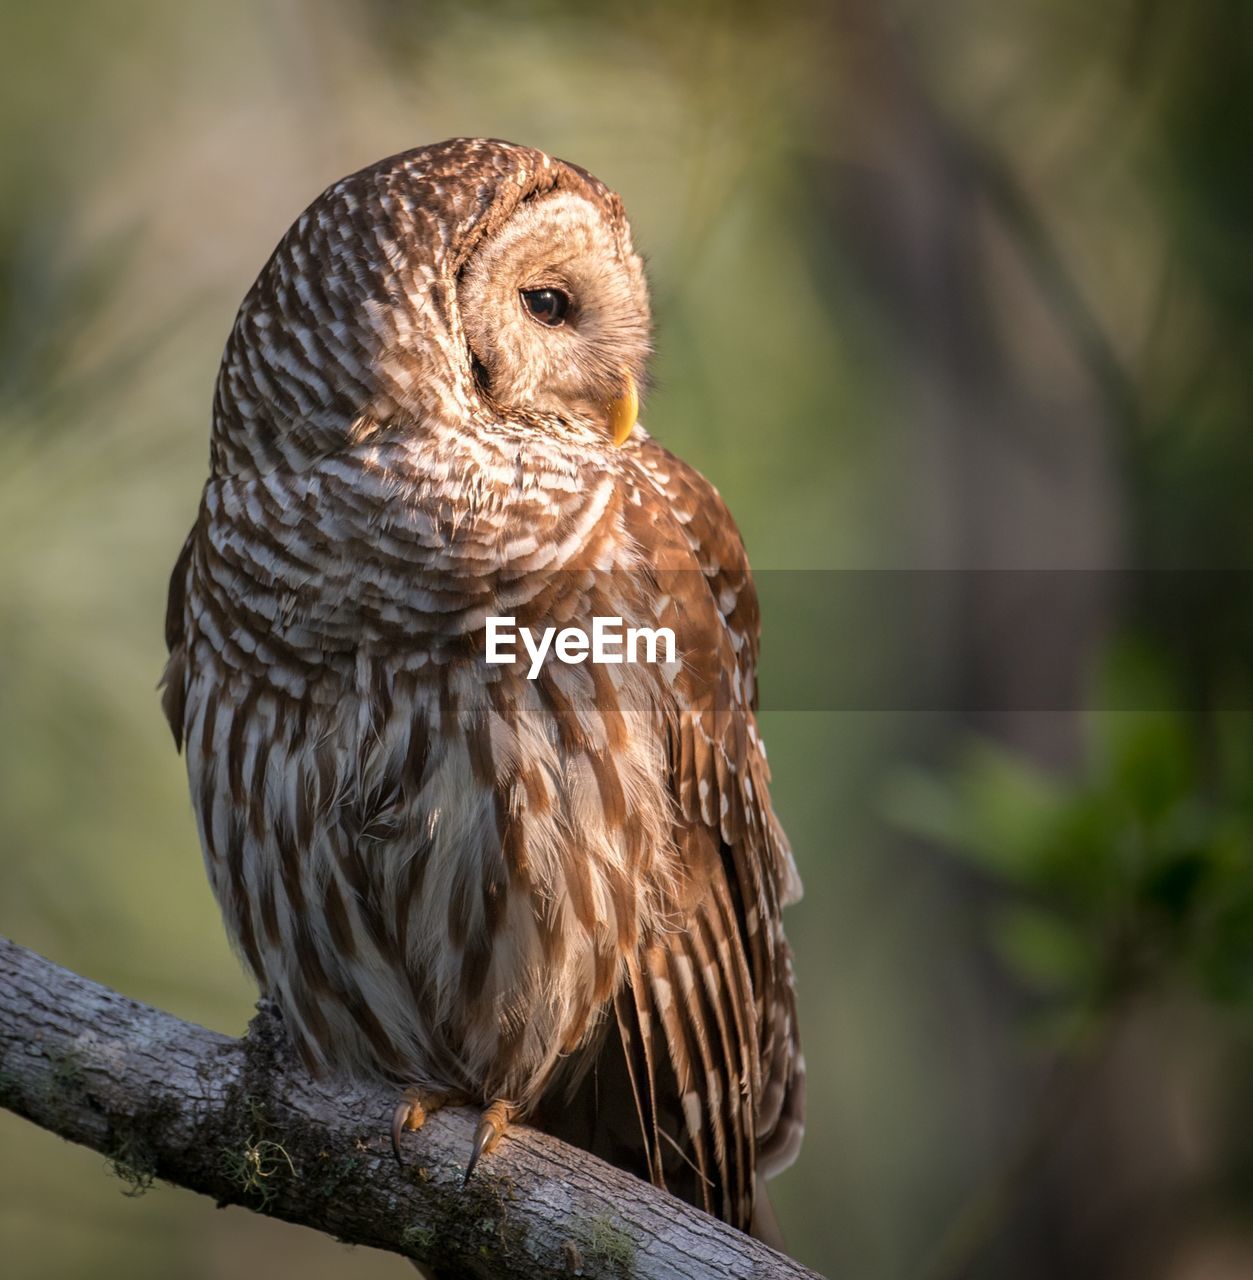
(623, 411)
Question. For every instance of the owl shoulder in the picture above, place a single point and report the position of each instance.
(675, 496)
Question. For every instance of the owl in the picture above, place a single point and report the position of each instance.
(554, 896)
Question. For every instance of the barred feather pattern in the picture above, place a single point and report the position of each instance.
(448, 875)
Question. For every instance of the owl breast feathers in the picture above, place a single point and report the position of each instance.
(561, 895)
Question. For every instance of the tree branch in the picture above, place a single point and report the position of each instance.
(240, 1121)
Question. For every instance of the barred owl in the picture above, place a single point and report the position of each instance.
(555, 899)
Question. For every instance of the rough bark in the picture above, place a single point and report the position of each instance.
(240, 1121)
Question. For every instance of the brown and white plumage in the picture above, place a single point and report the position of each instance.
(565, 893)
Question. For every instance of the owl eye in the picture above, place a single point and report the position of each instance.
(548, 306)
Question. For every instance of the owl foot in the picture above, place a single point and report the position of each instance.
(492, 1125)
(411, 1113)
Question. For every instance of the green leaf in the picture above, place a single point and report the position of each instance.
(1044, 950)
(994, 811)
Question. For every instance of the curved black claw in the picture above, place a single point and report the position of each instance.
(399, 1117)
(484, 1136)
(411, 1112)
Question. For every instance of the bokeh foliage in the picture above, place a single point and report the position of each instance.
(1130, 876)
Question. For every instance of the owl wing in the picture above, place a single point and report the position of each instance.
(710, 1009)
(173, 681)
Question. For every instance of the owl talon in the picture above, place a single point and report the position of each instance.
(492, 1125)
(411, 1113)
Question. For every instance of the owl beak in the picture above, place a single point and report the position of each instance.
(623, 411)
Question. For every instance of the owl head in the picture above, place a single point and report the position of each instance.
(472, 284)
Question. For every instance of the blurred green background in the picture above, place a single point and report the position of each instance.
(939, 286)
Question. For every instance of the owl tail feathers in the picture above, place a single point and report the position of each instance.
(634, 1030)
(685, 1021)
(765, 1225)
